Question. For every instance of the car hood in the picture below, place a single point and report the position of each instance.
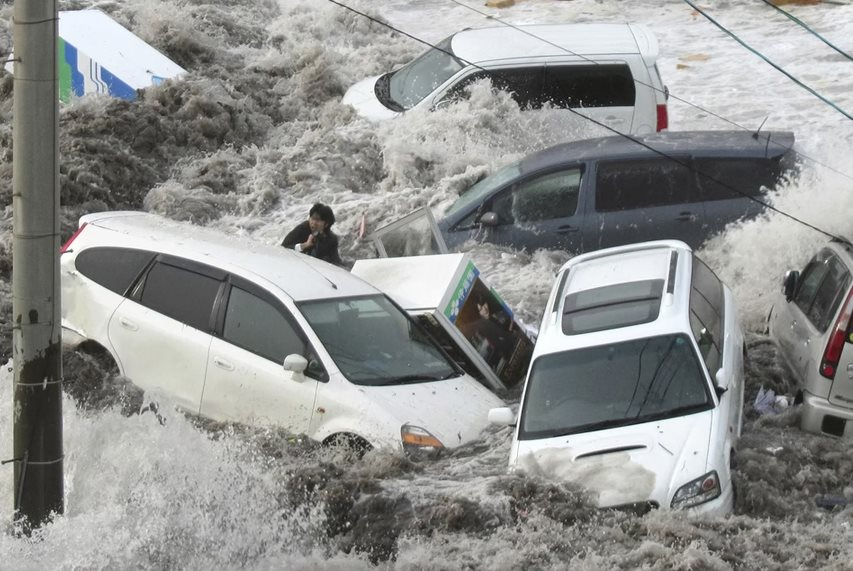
(455, 410)
(363, 98)
(645, 462)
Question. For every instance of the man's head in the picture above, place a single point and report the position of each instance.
(320, 218)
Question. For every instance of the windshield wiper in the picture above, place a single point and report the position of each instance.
(408, 379)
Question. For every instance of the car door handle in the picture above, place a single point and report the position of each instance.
(223, 364)
(567, 229)
(128, 324)
(686, 216)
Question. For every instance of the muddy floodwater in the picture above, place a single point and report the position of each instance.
(255, 133)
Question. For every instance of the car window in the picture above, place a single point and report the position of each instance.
(373, 342)
(410, 84)
(181, 294)
(618, 384)
(601, 85)
(113, 268)
(633, 184)
(829, 294)
(484, 188)
(257, 326)
(810, 280)
(709, 347)
(546, 197)
(727, 178)
(707, 314)
(523, 83)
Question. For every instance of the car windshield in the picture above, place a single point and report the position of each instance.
(374, 343)
(484, 188)
(420, 77)
(613, 385)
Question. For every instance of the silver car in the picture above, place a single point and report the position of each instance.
(811, 326)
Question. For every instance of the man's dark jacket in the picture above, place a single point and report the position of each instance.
(325, 245)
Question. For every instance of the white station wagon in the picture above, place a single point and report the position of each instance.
(235, 330)
(604, 71)
(635, 389)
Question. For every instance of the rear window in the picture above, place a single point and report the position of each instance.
(589, 86)
(634, 184)
(609, 307)
(114, 268)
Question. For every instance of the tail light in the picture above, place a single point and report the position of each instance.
(67, 244)
(663, 118)
(840, 335)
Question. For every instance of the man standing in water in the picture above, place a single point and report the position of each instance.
(314, 237)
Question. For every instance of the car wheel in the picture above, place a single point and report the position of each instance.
(349, 444)
(92, 378)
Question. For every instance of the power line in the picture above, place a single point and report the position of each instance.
(807, 28)
(767, 60)
(607, 127)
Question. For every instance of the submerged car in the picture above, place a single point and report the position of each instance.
(810, 323)
(604, 71)
(596, 193)
(234, 330)
(635, 389)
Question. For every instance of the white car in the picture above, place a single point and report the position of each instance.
(604, 71)
(235, 330)
(811, 326)
(635, 390)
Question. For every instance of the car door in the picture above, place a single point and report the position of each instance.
(542, 210)
(644, 199)
(246, 381)
(522, 81)
(161, 333)
(603, 91)
(815, 302)
(733, 188)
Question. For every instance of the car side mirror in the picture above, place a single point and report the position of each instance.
(502, 416)
(721, 381)
(489, 219)
(296, 364)
(789, 284)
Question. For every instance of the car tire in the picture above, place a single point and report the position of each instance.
(93, 379)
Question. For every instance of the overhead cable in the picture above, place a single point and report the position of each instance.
(807, 28)
(766, 59)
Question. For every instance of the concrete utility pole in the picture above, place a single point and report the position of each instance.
(37, 334)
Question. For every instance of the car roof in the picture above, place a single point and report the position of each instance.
(668, 260)
(300, 276)
(732, 143)
(509, 42)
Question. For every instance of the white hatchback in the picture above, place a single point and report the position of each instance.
(635, 390)
(607, 72)
(235, 330)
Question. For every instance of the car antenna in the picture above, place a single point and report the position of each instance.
(755, 135)
(318, 271)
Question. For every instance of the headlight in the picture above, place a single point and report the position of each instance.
(418, 443)
(698, 491)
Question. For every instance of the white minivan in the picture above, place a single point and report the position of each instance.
(635, 390)
(235, 330)
(607, 72)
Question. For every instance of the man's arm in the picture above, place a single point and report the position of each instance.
(296, 237)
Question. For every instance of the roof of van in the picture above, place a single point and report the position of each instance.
(508, 42)
(667, 261)
(732, 143)
(300, 276)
